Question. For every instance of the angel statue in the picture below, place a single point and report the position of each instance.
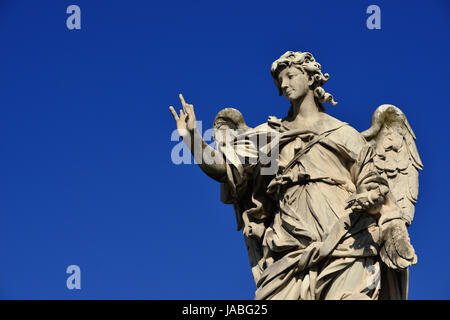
(330, 221)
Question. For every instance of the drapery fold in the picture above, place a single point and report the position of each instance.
(310, 244)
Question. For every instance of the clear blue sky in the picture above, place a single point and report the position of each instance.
(86, 176)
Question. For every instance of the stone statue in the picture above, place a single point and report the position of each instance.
(330, 221)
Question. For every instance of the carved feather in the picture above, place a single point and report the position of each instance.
(229, 122)
(397, 158)
(229, 118)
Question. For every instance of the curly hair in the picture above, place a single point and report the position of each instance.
(305, 62)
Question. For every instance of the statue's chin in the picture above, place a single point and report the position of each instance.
(294, 98)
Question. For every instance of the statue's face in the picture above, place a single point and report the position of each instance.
(293, 83)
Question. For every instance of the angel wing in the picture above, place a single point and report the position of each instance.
(230, 122)
(397, 160)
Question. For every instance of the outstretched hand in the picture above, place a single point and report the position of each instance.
(186, 120)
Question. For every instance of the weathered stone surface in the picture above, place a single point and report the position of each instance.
(326, 217)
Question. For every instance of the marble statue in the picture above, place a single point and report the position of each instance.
(330, 221)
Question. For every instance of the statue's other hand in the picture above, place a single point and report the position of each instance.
(369, 198)
(186, 120)
(397, 251)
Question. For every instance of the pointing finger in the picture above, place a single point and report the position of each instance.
(174, 113)
(183, 103)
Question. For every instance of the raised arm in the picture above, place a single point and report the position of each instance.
(206, 156)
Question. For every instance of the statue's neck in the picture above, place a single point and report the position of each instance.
(305, 110)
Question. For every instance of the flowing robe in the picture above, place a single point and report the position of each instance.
(308, 245)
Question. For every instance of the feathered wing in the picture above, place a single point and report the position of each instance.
(228, 125)
(397, 160)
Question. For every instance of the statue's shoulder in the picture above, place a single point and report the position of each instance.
(345, 134)
(328, 122)
(272, 125)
